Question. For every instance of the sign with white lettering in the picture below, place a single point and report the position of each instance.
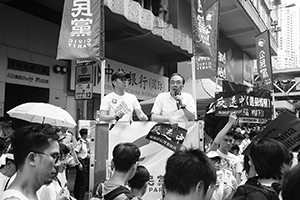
(27, 78)
(245, 101)
(285, 128)
(143, 84)
(84, 82)
(80, 30)
(84, 91)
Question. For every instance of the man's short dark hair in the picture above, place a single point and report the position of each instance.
(268, 156)
(32, 138)
(291, 184)
(238, 136)
(230, 133)
(177, 74)
(83, 131)
(185, 169)
(124, 156)
(141, 176)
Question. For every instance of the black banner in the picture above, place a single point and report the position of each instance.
(263, 56)
(206, 66)
(165, 135)
(251, 102)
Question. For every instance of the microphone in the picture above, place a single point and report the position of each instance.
(113, 124)
(177, 100)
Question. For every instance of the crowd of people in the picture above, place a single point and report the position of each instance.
(36, 158)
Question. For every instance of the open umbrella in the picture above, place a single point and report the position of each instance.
(43, 113)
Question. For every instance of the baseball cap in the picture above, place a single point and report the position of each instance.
(212, 154)
(119, 74)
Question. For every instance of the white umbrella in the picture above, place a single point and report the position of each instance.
(43, 113)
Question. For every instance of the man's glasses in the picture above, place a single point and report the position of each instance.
(56, 156)
(178, 82)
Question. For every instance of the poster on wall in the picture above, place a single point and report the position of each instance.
(153, 154)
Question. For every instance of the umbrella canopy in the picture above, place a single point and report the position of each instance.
(43, 113)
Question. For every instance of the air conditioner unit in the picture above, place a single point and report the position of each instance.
(274, 23)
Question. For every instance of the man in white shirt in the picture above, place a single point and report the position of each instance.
(119, 105)
(82, 173)
(230, 161)
(174, 106)
(7, 171)
(36, 153)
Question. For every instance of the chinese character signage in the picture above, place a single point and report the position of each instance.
(153, 154)
(80, 30)
(143, 84)
(263, 56)
(206, 66)
(199, 29)
(285, 128)
(245, 101)
(165, 135)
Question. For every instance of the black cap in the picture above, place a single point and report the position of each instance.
(119, 74)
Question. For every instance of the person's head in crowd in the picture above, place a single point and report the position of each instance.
(215, 158)
(235, 149)
(83, 133)
(139, 182)
(176, 82)
(238, 138)
(189, 175)
(227, 142)
(253, 134)
(291, 184)
(270, 158)
(119, 79)
(64, 151)
(36, 152)
(9, 168)
(125, 158)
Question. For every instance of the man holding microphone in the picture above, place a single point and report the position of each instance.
(174, 106)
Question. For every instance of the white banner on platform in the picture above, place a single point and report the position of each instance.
(153, 155)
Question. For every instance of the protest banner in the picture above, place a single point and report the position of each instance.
(285, 128)
(154, 154)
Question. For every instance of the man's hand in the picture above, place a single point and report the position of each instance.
(232, 118)
(119, 114)
(63, 194)
(143, 117)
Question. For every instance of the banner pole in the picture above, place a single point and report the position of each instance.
(194, 91)
(274, 108)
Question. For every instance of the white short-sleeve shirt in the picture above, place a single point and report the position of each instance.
(113, 103)
(165, 105)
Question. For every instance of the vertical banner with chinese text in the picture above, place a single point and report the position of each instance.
(263, 56)
(206, 66)
(80, 31)
(199, 32)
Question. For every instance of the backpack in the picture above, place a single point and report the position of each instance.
(255, 191)
(112, 194)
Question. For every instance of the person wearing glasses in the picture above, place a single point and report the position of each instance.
(174, 106)
(119, 105)
(57, 189)
(36, 154)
